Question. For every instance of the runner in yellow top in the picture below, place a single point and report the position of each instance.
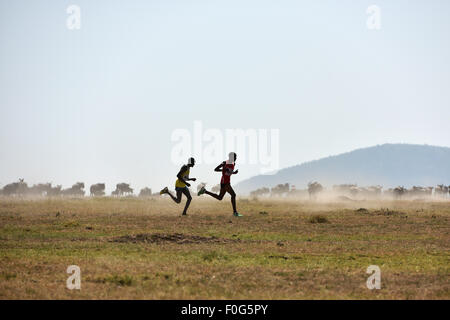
(181, 185)
(181, 182)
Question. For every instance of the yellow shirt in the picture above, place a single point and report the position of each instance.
(180, 184)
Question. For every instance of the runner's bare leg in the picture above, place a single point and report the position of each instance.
(217, 196)
(188, 201)
(178, 198)
(233, 197)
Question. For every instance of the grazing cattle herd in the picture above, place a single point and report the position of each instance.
(97, 189)
(314, 191)
(353, 191)
(22, 189)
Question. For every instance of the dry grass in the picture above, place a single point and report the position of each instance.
(144, 249)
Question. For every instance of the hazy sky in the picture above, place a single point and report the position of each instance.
(100, 104)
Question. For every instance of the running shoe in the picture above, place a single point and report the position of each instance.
(165, 190)
(237, 214)
(202, 191)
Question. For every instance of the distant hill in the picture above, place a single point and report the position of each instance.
(388, 165)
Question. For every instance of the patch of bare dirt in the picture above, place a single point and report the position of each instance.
(178, 238)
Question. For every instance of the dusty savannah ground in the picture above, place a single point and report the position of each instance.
(143, 249)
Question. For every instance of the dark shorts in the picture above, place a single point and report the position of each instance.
(181, 189)
(223, 185)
